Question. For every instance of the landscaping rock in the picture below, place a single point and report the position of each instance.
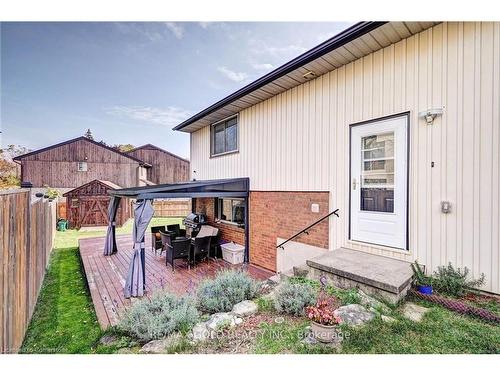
(153, 347)
(200, 332)
(354, 314)
(219, 320)
(238, 321)
(160, 346)
(275, 279)
(387, 319)
(245, 308)
(309, 339)
(124, 351)
(414, 312)
(368, 300)
(108, 340)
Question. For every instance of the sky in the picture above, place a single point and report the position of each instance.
(133, 82)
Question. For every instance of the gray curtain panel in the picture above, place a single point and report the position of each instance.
(136, 277)
(110, 244)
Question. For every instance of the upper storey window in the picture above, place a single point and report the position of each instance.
(224, 136)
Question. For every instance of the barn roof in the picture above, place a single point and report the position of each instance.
(151, 146)
(349, 45)
(109, 184)
(21, 157)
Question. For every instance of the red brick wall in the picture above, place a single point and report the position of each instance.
(228, 232)
(273, 215)
(282, 214)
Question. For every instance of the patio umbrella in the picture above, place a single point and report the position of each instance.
(136, 277)
(110, 244)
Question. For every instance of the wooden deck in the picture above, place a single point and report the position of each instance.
(106, 275)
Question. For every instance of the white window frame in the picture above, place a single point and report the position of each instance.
(212, 136)
(82, 166)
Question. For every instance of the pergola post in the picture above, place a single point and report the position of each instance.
(136, 276)
(110, 244)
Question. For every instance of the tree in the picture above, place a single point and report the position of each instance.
(9, 170)
(124, 148)
(88, 134)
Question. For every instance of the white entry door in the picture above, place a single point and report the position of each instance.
(379, 178)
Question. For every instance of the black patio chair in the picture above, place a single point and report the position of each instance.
(215, 250)
(166, 240)
(156, 238)
(201, 247)
(176, 228)
(178, 249)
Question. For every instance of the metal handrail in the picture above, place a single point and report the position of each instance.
(305, 230)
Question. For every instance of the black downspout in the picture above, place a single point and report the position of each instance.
(247, 227)
(193, 205)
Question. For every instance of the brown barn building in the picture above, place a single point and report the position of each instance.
(78, 161)
(166, 167)
(87, 205)
(73, 163)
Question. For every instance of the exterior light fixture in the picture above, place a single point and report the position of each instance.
(309, 75)
(430, 114)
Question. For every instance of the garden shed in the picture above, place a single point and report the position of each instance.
(87, 205)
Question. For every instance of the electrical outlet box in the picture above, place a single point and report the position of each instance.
(315, 207)
(445, 207)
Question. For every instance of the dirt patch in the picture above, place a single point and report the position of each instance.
(242, 339)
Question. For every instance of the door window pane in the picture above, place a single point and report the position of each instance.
(377, 173)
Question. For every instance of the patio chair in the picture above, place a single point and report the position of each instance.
(201, 247)
(166, 240)
(178, 249)
(156, 238)
(176, 228)
(215, 250)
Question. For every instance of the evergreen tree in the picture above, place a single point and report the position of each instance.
(88, 134)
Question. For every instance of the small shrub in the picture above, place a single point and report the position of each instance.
(227, 289)
(163, 314)
(292, 298)
(419, 275)
(265, 303)
(455, 282)
(302, 280)
(346, 296)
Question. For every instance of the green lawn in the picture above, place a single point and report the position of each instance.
(441, 331)
(64, 320)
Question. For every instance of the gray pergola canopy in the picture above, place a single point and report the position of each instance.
(143, 213)
(235, 188)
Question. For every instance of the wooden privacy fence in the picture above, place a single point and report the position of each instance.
(27, 229)
(172, 207)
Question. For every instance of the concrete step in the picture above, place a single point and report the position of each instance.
(346, 268)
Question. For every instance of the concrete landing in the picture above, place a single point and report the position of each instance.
(374, 274)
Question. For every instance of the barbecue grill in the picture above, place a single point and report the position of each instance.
(193, 223)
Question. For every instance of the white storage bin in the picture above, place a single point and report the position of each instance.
(233, 253)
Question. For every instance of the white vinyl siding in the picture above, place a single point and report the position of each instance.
(299, 141)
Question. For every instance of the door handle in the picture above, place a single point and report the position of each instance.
(354, 183)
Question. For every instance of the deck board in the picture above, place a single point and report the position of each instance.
(106, 275)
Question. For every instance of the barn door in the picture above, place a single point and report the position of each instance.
(93, 212)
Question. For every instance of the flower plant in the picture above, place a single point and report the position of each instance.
(323, 312)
